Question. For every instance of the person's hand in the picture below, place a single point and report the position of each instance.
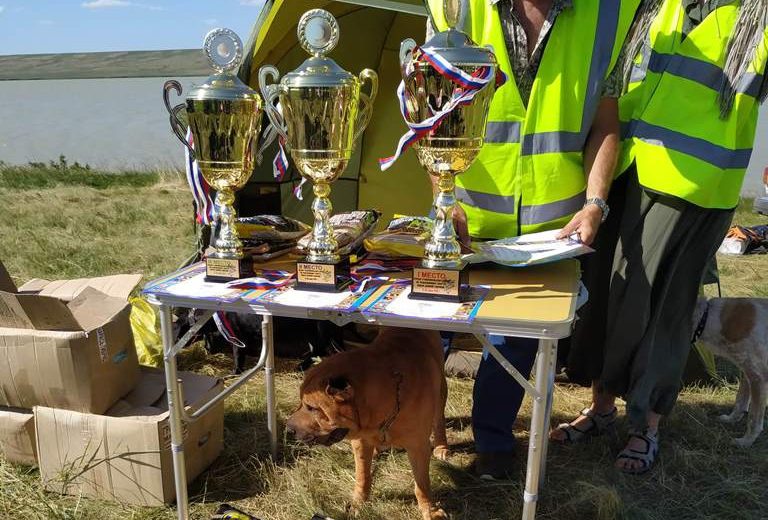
(586, 223)
(462, 230)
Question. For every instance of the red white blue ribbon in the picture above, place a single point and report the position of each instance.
(467, 87)
(226, 330)
(201, 190)
(268, 280)
(280, 164)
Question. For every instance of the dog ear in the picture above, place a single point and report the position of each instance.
(339, 388)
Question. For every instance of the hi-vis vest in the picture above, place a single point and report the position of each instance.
(530, 175)
(671, 115)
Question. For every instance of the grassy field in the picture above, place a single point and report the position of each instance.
(144, 226)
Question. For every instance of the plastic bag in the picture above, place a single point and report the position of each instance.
(405, 236)
(149, 344)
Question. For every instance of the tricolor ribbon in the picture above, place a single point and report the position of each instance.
(280, 164)
(467, 87)
(201, 190)
(226, 330)
(268, 280)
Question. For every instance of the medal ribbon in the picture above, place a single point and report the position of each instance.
(201, 190)
(467, 87)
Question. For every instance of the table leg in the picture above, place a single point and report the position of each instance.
(542, 410)
(174, 408)
(267, 335)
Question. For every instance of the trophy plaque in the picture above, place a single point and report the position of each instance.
(224, 117)
(448, 149)
(322, 113)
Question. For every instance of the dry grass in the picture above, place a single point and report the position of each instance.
(76, 231)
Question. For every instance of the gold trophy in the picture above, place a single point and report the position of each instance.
(447, 150)
(224, 117)
(322, 113)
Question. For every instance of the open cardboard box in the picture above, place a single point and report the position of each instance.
(66, 344)
(17, 436)
(125, 454)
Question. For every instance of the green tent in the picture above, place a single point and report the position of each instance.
(370, 36)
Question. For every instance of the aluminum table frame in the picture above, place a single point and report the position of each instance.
(541, 390)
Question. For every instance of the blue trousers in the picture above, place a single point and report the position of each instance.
(497, 397)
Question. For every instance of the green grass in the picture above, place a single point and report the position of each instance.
(54, 174)
(72, 231)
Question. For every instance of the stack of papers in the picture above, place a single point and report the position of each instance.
(395, 301)
(532, 249)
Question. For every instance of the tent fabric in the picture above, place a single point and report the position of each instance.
(370, 36)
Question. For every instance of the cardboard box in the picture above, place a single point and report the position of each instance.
(66, 344)
(125, 455)
(17, 436)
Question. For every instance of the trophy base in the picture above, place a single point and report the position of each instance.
(440, 283)
(227, 269)
(316, 276)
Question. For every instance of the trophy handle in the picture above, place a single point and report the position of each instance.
(406, 50)
(173, 112)
(271, 93)
(366, 100)
(270, 134)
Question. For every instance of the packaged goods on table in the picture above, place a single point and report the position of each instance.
(268, 236)
(405, 236)
(349, 229)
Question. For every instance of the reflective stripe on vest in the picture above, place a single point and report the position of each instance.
(510, 188)
(671, 121)
(702, 72)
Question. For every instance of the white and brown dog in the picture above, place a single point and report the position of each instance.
(737, 329)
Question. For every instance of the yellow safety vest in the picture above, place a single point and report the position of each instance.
(671, 114)
(530, 175)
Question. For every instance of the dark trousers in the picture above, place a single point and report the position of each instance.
(497, 397)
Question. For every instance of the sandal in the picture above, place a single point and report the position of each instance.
(647, 457)
(597, 424)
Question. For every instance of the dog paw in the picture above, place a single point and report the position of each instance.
(743, 442)
(438, 514)
(441, 453)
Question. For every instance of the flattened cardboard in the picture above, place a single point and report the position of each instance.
(17, 436)
(125, 455)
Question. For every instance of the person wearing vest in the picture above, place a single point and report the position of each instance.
(550, 151)
(688, 126)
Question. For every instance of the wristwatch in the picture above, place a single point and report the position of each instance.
(600, 203)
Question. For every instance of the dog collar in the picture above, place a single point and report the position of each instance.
(701, 326)
(387, 423)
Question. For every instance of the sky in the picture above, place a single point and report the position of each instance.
(50, 26)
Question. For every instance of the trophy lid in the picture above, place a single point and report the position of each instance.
(318, 33)
(453, 44)
(224, 50)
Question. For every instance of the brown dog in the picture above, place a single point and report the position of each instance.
(737, 329)
(390, 393)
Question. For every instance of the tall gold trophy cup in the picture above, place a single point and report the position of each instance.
(323, 113)
(447, 151)
(224, 117)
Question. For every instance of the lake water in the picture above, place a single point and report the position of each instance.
(122, 124)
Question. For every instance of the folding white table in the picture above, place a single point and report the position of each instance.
(535, 302)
